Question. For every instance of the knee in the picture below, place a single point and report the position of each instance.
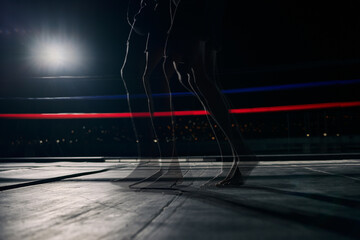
(182, 71)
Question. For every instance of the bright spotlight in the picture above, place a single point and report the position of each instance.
(56, 55)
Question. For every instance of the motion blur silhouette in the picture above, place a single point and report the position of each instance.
(185, 37)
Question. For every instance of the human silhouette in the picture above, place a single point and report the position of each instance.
(185, 37)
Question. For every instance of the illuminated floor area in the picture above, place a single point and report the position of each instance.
(281, 200)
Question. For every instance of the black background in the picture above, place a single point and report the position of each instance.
(265, 43)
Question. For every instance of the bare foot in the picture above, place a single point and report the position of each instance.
(234, 180)
(212, 182)
(149, 179)
(163, 179)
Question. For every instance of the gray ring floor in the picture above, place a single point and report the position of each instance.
(89, 200)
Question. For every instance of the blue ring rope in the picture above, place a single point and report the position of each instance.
(184, 94)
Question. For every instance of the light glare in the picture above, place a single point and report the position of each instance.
(56, 55)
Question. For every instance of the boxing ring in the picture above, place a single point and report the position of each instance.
(238, 112)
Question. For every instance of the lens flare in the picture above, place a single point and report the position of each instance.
(56, 54)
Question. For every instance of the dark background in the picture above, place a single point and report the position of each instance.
(265, 43)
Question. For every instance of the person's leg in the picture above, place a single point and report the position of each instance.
(167, 176)
(219, 113)
(203, 82)
(186, 79)
(152, 59)
(247, 159)
(144, 134)
(211, 69)
(170, 172)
